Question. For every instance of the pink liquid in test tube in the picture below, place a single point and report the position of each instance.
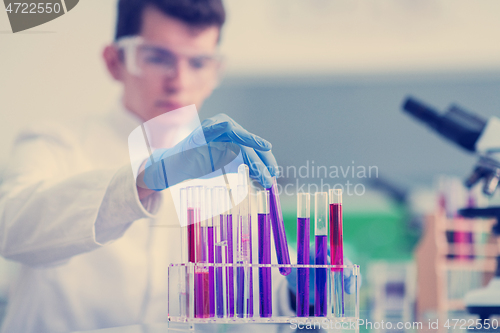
(201, 273)
(191, 240)
(191, 235)
(211, 271)
(337, 250)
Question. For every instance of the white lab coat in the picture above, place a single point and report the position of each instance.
(92, 254)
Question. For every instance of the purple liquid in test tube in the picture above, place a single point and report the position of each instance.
(303, 215)
(219, 208)
(321, 243)
(240, 292)
(250, 281)
(264, 232)
(191, 221)
(210, 249)
(230, 270)
(219, 282)
(279, 229)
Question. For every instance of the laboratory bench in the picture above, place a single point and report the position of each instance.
(218, 328)
(164, 327)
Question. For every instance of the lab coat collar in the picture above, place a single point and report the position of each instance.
(123, 120)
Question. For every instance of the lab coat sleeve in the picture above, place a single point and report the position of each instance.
(54, 205)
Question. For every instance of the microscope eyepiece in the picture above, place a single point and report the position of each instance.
(422, 112)
(464, 129)
(460, 126)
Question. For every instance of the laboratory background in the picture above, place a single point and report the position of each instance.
(325, 82)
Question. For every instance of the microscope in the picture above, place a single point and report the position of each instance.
(481, 137)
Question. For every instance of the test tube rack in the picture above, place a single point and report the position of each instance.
(184, 294)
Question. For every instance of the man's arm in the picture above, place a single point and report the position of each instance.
(142, 190)
(54, 204)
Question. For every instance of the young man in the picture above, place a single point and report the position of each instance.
(94, 247)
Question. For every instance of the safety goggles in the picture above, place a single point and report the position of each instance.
(151, 60)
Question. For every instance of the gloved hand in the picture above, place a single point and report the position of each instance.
(218, 143)
(349, 279)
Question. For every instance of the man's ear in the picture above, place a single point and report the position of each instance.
(114, 63)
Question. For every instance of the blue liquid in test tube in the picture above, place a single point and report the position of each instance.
(264, 232)
(321, 255)
(303, 215)
(220, 251)
(228, 232)
(278, 225)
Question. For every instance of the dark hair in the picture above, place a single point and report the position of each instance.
(197, 13)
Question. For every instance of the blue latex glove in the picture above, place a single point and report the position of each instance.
(218, 143)
(349, 279)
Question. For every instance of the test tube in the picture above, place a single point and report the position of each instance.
(220, 251)
(264, 228)
(303, 238)
(244, 278)
(184, 282)
(202, 296)
(191, 224)
(225, 220)
(321, 256)
(192, 279)
(278, 225)
(228, 232)
(337, 251)
(210, 248)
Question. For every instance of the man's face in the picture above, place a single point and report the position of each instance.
(149, 94)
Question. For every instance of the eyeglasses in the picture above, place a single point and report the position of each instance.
(152, 60)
